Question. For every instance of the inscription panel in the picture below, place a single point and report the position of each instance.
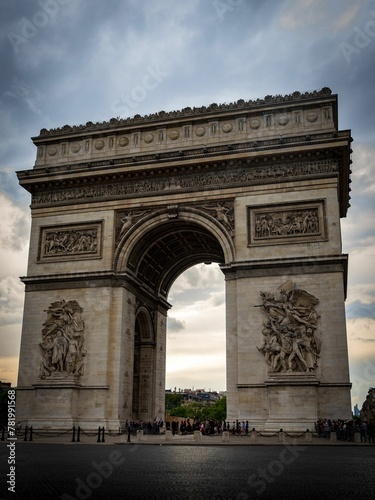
(284, 224)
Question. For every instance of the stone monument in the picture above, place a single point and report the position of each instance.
(120, 209)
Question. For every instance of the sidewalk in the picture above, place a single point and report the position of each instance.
(196, 439)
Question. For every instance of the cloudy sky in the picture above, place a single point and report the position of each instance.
(73, 61)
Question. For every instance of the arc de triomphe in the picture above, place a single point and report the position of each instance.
(120, 209)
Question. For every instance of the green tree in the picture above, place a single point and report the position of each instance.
(200, 411)
(172, 401)
(180, 411)
(218, 411)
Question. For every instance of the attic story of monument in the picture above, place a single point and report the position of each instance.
(121, 208)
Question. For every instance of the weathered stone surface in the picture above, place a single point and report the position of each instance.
(120, 209)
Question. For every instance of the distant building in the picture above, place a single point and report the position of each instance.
(198, 395)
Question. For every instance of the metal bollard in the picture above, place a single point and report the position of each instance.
(79, 435)
(99, 431)
(103, 431)
(25, 436)
(74, 435)
(31, 434)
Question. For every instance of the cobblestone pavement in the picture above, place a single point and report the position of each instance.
(180, 472)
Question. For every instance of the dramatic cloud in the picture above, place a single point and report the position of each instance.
(14, 227)
(196, 352)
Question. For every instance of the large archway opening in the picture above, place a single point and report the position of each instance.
(176, 263)
(164, 252)
(196, 340)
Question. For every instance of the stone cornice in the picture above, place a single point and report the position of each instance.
(183, 182)
(264, 155)
(110, 279)
(272, 119)
(214, 108)
(139, 162)
(291, 266)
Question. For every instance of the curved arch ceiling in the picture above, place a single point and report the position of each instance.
(169, 249)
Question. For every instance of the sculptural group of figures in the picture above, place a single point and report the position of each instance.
(62, 347)
(70, 242)
(288, 223)
(291, 341)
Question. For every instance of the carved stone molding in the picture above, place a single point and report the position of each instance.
(70, 242)
(188, 112)
(209, 180)
(291, 336)
(62, 347)
(289, 267)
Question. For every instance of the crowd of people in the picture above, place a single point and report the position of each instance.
(186, 426)
(346, 429)
(207, 427)
(146, 427)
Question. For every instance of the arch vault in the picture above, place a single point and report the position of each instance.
(120, 209)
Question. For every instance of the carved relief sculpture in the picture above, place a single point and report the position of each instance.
(291, 340)
(67, 242)
(224, 213)
(281, 224)
(62, 347)
(206, 180)
(126, 221)
(287, 223)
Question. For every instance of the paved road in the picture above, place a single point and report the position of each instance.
(131, 471)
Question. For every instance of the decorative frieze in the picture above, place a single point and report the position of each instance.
(82, 241)
(213, 179)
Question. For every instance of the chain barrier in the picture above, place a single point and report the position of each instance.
(89, 434)
(52, 433)
(29, 433)
(295, 435)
